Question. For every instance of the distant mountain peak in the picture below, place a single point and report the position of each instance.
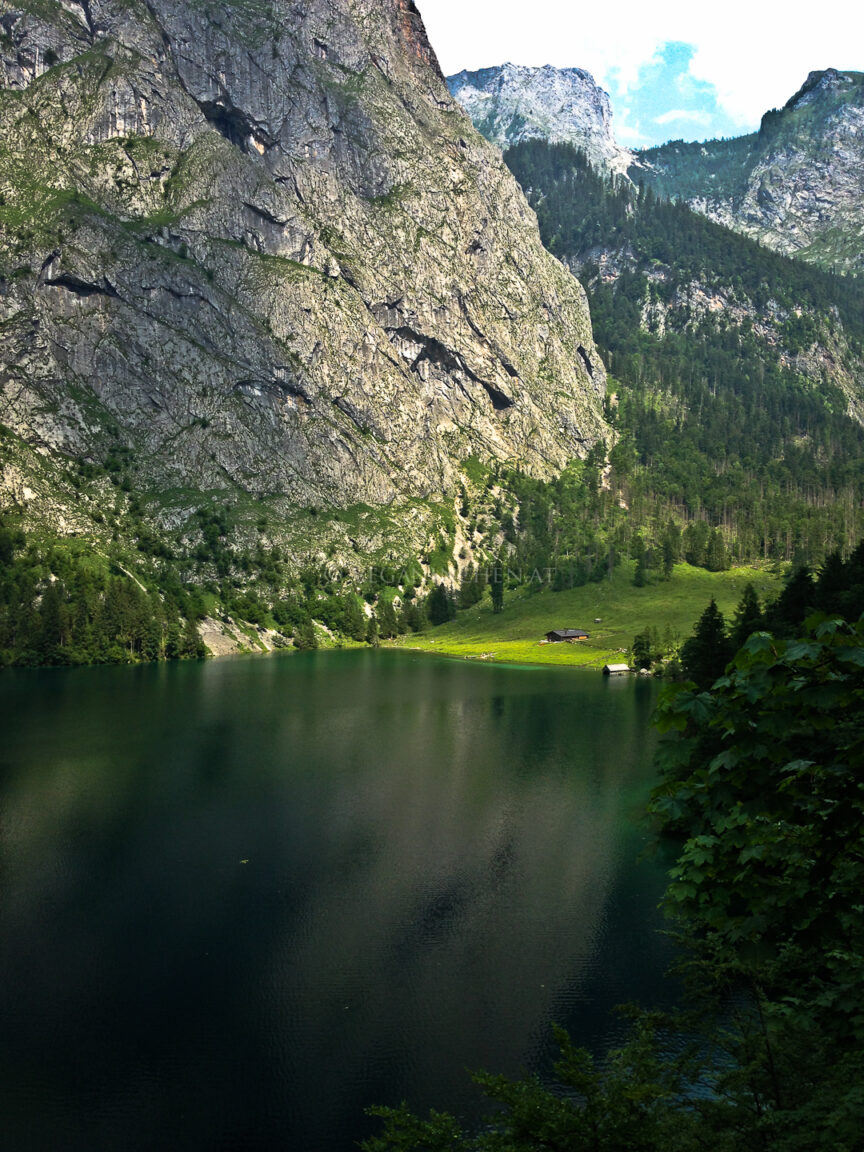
(795, 185)
(510, 103)
(822, 82)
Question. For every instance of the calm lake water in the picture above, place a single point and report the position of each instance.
(242, 900)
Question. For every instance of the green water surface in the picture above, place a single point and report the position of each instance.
(241, 900)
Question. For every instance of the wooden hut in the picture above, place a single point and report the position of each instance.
(616, 669)
(559, 635)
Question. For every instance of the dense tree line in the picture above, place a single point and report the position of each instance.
(59, 607)
(722, 169)
(688, 169)
(61, 604)
(579, 209)
(568, 532)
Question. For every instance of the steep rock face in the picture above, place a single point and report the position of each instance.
(260, 247)
(795, 185)
(509, 104)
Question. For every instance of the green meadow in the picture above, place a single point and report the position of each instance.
(513, 636)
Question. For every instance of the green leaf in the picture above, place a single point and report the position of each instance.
(797, 766)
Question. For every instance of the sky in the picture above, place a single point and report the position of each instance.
(674, 68)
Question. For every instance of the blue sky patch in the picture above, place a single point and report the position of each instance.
(667, 102)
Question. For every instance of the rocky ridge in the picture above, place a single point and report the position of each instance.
(260, 250)
(511, 103)
(795, 185)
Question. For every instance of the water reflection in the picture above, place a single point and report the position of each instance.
(242, 900)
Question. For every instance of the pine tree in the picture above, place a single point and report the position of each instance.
(639, 553)
(11, 541)
(305, 637)
(470, 588)
(671, 548)
(696, 543)
(640, 575)
(708, 651)
(355, 622)
(496, 586)
(831, 584)
(52, 624)
(191, 646)
(413, 617)
(387, 624)
(642, 653)
(716, 559)
(439, 605)
(794, 604)
(748, 617)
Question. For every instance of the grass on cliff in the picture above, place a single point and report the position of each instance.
(514, 635)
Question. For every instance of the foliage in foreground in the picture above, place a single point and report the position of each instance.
(765, 781)
(590, 1108)
(763, 788)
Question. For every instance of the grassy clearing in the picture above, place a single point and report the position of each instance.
(514, 635)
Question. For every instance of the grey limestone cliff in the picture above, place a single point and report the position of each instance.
(260, 247)
(511, 103)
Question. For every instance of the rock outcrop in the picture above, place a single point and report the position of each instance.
(509, 104)
(261, 249)
(795, 185)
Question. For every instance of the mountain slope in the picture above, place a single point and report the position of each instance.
(739, 373)
(795, 185)
(257, 250)
(511, 103)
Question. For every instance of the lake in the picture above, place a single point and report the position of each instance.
(242, 900)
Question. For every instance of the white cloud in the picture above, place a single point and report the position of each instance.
(627, 132)
(755, 54)
(689, 114)
(630, 137)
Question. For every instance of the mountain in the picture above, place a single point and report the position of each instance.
(256, 252)
(795, 185)
(738, 373)
(509, 104)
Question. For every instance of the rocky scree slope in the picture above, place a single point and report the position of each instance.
(510, 103)
(260, 249)
(795, 185)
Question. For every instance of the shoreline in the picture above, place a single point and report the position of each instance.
(521, 653)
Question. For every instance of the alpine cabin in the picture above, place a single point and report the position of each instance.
(568, 634)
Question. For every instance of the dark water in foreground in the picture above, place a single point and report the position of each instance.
(240, 901)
